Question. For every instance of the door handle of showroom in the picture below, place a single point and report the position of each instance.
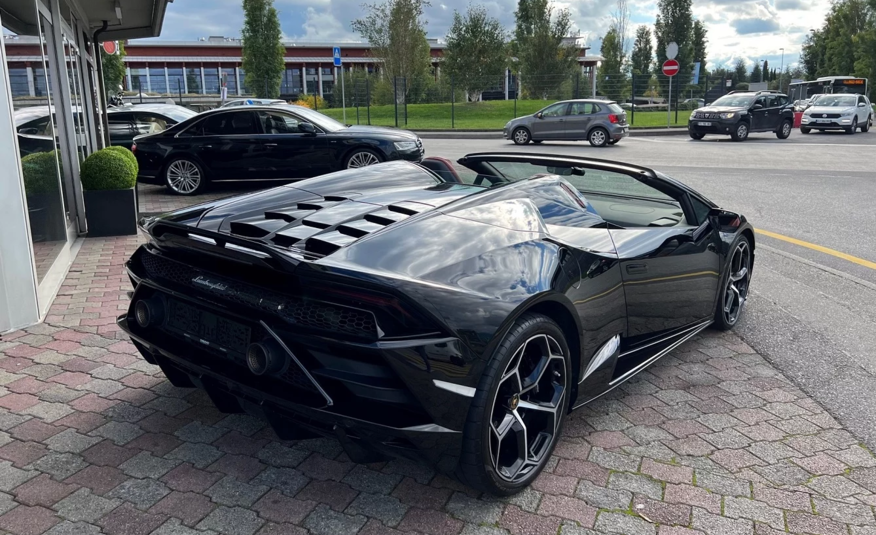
(637, 269)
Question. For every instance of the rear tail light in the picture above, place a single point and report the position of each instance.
(613, 118)
(134, 147)
(394, 315)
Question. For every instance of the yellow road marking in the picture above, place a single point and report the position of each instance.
(819, 248)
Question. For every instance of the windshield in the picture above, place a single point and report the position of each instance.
(735, 101)
(837, 101)
(323, 121)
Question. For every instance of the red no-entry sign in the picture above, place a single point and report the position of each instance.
(110, 47)
(670, 67)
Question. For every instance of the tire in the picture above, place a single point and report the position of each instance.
(694, 135)
(532, 336)
(730, 302)
(784, 131)
(854, 128)
(521, 136)
(361, 158)
(866, 126)
(538, 141)
(614, 142)
(184, 176)
(804, 130)
(598, 137)
(740, 132)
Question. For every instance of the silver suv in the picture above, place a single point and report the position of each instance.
(601, 122)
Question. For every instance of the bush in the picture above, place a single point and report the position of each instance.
(127, 154)
(107, 169)
(311, 101)
(40, 173)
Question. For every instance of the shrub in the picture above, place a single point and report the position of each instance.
(40, 173)
(311, 101)
(127, 154)
(107, 169)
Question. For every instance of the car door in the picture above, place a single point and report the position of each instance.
(229, 146)
(579, 120)
(291, 152)
(863, 110)
(759, 115)
(121, 129)
(550, 123)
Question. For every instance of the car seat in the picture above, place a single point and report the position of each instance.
(441, 167)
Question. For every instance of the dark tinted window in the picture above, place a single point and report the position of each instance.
(227, 124)
(118, 118)
(701, 210)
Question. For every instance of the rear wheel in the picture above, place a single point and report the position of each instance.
(184, 176)
(521, 136)
(740, 133)
(784, 131)
(517, 413)
(598, 137)
(694, 135)
(734, 285)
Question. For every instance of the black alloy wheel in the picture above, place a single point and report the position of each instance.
(521, 136)
(516, 416)
(734, 286)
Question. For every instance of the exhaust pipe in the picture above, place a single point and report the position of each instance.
(149, 312)
(266, 357)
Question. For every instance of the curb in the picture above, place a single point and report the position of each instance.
(470, 134)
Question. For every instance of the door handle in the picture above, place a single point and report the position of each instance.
(206, 146)
(270, 144)
(637, 269)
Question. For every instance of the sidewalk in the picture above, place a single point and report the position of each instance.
(93, 440)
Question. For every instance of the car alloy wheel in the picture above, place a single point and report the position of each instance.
(786, 129)
(741, 132)
(598, 137)
(362, 159)
(854, 127)
(736, 291)
(184, 177)
(521, 136)
(526, 410)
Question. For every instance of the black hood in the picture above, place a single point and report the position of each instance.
(721, 109)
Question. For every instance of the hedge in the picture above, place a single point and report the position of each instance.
(127, 154)
(108, 169)
(40, 173)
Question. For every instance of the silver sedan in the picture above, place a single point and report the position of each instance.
(601, 122)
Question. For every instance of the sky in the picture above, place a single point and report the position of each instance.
(751, 29)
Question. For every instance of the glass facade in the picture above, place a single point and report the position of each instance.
(193, 80)
(157, 81)
(211, 80)
(138, 80)
(291, 83)
(176, 79)
(242, 75)
(230, 80)
(18, 82)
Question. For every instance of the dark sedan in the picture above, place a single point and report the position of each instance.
(280, 142)
(128, 122)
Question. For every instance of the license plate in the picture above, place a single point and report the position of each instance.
(824, 120)
(704, 124)
(207, 328)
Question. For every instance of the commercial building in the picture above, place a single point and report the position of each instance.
(50, 102)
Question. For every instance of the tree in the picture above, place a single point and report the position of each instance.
(756, 73)
(700, 41)
(620, 22)
(675, 24)
(611, 78)
(113, 66)
(641, 59)
(397, 34)
(740, 71)
(475, 51)
(263, 51)
(546, 59)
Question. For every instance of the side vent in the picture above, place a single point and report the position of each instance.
(408, 208)
(326, 244)
(386, 217)
(257, 228)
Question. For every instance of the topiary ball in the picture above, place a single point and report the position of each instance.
(127, 154)
(40, 173)
(107, 169)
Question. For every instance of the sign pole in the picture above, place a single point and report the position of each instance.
(343, 96)
(669, 106)
(338, 62)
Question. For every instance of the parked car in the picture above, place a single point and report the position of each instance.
(264, 142)
(34, 128)
(740, 113)
(128, 122)
(838, 112)
(252, 102)
(693, 103)
(455, 321)
(601, 122)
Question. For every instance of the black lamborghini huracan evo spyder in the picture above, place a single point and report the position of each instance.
(450, 312)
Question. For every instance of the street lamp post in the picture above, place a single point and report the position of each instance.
(762, 65)
(782, 70)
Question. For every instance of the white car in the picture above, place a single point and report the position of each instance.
(253, 102)
(838, 112)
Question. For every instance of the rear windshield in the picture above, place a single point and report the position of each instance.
(614, 108)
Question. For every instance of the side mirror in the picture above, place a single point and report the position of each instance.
(307, 128)
(757, 106)
(862, 105)
(539, 115)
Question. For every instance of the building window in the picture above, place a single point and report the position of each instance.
(311, 87)
(230, 80)
(39, 82)
(193, 79)
(176, 80)
(243, 89)
(18, 82)
(291, 83)
(327, 71)
(311, 71)
(327, 87)
(211, 80)
(157, 83)
(138, 80)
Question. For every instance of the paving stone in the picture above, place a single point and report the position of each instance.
(70, 441)
(473, 511)
(74, 528)
(58, 465)
(772, 452)
(198, 454)
(286, 480)
(815, 524)
(127, 520)
(189, 507)
(231, 521)
(186, 478)
(336, 495)
(667, 472)
(125, 412)
(145, 464)
(710, 523)
(821, 464)
(24, 520)
(324, 521)
(231, 492)
(366, 480)
(82, 505)
(727, 439)
(794, 501)
(695, 496)
(569, 508)
(783, 473)
(624, 524)
(390, 510)
(527, 499)
(636, 484)
(753, 510)
(174, 527)
(276, 454)
(6, 503)
(855, 456)
(614, 461)
(723, 485)
(41, 490)
(119, 432)
(143, 493)
(100, 479)
(859, 515)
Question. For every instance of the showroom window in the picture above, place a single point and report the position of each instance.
(19, 82)
(211, 80)
(157, 82)
(193, 80)
(176, 80)
(138, 80)
(230, 80)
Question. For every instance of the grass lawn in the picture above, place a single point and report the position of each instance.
(490, 115)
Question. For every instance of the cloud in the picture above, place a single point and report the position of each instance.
(791, 4)
(749, 26)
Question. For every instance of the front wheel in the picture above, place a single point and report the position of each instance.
(804, 130)
(184, 176)
(734, 284)
(740, 133)
(598, 137)
(361, 158)
(854, 128)
(516, 416)
(521, 136)
(694, 135)
(784, 131)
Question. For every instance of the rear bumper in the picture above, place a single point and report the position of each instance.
(618, 132)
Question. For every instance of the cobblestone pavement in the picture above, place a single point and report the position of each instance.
(711, 440)
(157, 199)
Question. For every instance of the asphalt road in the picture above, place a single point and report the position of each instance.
(811, 313)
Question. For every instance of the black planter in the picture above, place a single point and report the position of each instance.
(111, 212)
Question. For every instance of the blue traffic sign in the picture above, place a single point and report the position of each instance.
(336, 55)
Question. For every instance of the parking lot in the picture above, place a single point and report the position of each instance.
(766, 430)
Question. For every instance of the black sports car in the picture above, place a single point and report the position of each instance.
(264, 143)
(451, 313)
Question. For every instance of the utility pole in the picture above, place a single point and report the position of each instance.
(782, 70)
